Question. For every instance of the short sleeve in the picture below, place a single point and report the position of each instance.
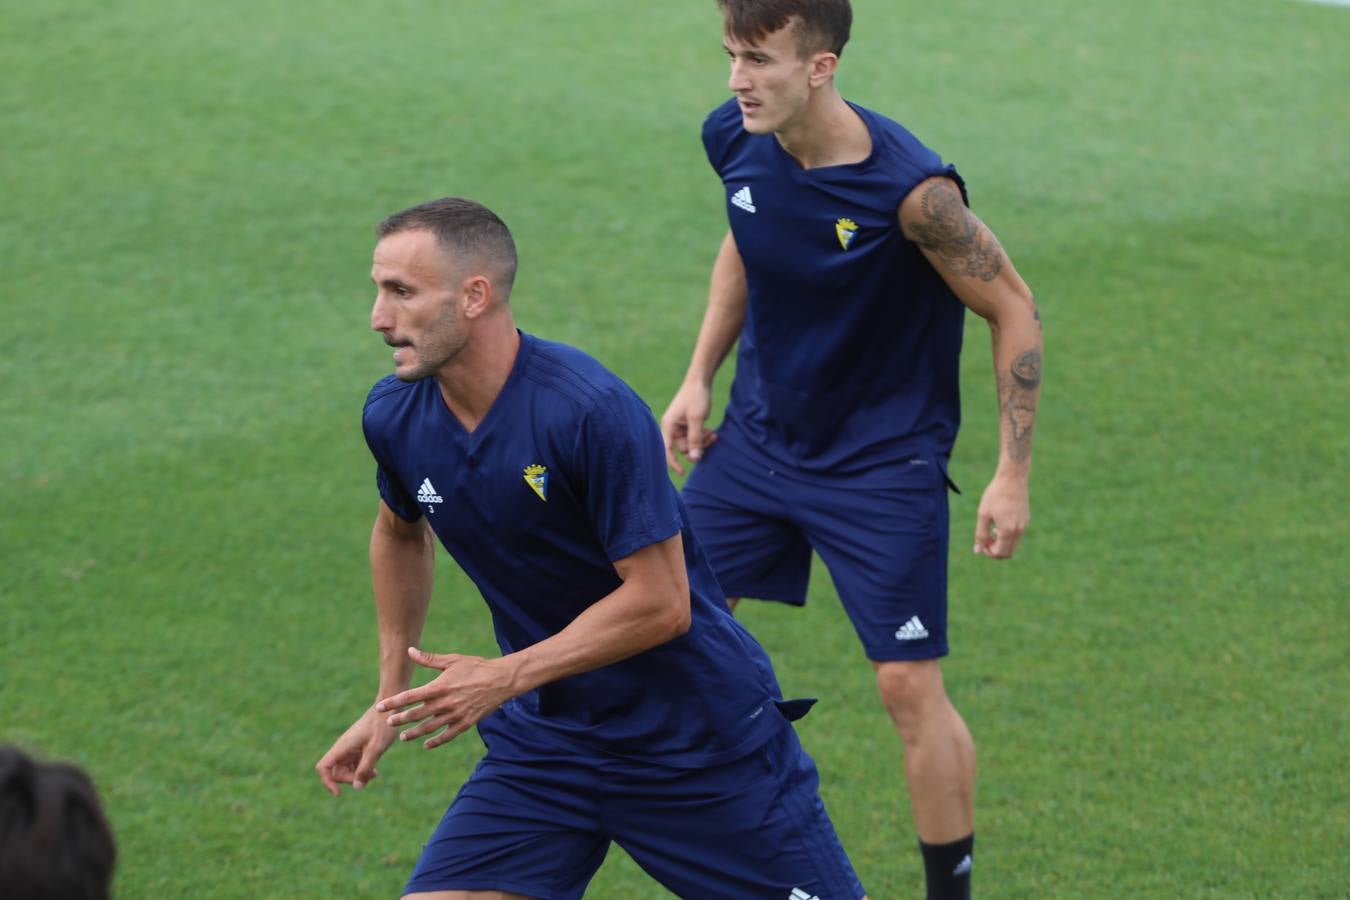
(949, 171)
(718, 128)
(916, 161)
(629, 497)
(392, 491)
(395, 496)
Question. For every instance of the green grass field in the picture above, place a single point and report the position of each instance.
(1158, 684)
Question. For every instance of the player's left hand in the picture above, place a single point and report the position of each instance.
(1005, 511)
(468, 688)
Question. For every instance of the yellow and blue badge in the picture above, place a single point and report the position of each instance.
(536, 476)
(846, 229)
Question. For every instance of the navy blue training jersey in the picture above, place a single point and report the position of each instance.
(565, 475)
(849, 353)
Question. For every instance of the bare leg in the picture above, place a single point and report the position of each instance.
(939, 751)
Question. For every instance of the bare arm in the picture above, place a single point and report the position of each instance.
(969, 258)
(727, 296)
(402, 564)
(649, 608)
(402, 572)
(682, 423)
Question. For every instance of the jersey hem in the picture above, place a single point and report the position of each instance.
(535, 729)
(735, 435)
(763, 596)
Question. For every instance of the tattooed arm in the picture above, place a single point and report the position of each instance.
(968, 257)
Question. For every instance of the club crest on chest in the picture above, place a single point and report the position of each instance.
(846, 230)
(536, 476)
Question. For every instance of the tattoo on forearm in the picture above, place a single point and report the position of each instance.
(1027, 370)
(1017, 394)
(955, 235)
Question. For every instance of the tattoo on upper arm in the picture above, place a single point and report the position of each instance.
(954, 234)
(1017, 392)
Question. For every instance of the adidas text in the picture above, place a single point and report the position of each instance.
(427, 494)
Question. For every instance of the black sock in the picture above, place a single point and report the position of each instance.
(947, 868)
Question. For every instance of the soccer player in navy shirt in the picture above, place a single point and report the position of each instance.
(627, 705)
(850, 261)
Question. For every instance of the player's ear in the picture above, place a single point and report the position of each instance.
(823, 66)
(478, 295)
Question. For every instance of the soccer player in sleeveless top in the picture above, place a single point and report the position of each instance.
(627, 705)
(850, 261)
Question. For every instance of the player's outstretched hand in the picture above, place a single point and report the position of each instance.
(682, 424)
(1005, 511)
(351, 760)
(468, 688)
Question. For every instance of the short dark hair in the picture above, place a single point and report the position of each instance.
(55, 843)
(821, 24)
(463, 228)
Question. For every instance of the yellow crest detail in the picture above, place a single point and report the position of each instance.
(536, 476)
(846, 229)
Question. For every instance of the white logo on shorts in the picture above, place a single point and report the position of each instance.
(912, 630)
(799, 894)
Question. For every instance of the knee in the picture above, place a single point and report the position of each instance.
(911, 692)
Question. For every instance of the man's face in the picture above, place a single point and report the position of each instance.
(417, 303)
(769, 79)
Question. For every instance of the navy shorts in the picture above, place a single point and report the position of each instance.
(883, 536)
(539, 824)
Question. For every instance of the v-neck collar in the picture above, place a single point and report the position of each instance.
(795, 168)
(472, 438)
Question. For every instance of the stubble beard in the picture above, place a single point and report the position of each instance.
(442, 343)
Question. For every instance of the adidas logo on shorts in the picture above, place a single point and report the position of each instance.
(912, 630)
